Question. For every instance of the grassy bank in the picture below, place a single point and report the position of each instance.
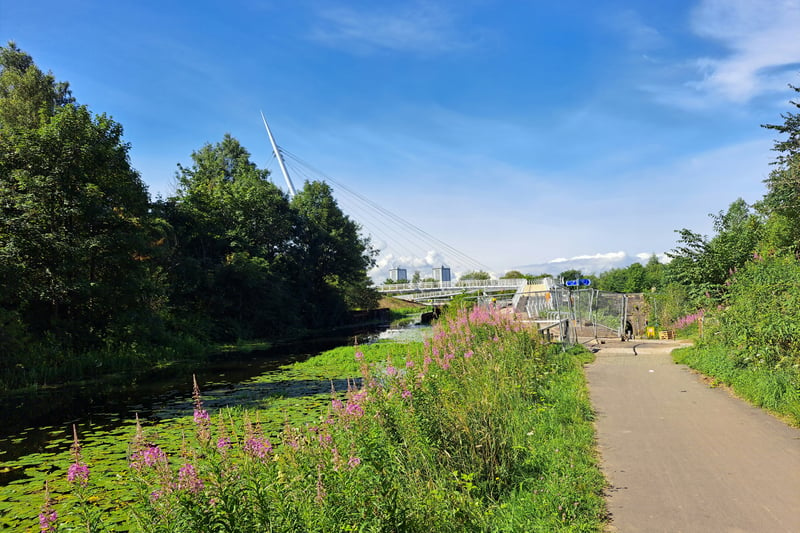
(777, 390)
(480, 428)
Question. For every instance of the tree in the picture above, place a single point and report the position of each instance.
(476, 275)
(654, 274)
(782, 201)
(788, 149)
(235, 239)
(75, 238)
(28, 96)
(614, 280)
(334, 257)
(513, 274)
(703, 265)
(571, 275)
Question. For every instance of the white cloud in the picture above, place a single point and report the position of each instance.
(640, 35)
(644, 257)
(417, 27)
(586, 263)
(762, 40)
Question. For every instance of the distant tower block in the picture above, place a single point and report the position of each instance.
(398, 274)
(441, 273)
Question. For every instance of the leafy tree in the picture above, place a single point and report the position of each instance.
(235, 253)
(782, 201)
(476, 275)
(74, 227)
(788, 149)
(571, 274)
(513, 274)
(654, 274)
(334, 257)
(28, 96)
(703, 265)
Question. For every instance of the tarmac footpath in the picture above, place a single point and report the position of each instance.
(681, 456)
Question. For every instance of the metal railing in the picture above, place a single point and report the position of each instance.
(440, 285)
(591, 313)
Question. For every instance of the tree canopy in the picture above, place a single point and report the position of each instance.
(88, 260)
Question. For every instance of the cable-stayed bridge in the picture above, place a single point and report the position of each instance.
(401, 244)
(434, 292)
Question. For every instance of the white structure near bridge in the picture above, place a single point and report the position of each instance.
(435, 292)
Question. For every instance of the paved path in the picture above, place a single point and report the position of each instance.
(684, 457)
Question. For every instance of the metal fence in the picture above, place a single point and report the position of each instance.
(573, 314)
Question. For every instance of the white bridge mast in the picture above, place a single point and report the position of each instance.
(278, 155)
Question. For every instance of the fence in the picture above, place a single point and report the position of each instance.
(573, 314)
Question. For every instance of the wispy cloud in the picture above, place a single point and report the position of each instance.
(591, 264)
(417, 27)
(762, 43)
(640, 36)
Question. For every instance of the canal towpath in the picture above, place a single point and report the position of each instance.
(682, 455)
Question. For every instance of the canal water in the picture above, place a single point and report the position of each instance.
(37, 428)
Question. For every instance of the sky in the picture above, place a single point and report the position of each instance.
(473, 134)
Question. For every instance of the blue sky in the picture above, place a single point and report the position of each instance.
(532, 135)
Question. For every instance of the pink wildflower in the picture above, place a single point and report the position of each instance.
(150, 456)
(409, 364)
(257, 447)
(391, 371)
(223, 443)
(353, 462)
(200, 416)
(468, 354)
(48, 516)
(406, 394)
(188, 479)
(359, 356)
(358, 396)
(78, 473)
(47, 520)
(354, 409)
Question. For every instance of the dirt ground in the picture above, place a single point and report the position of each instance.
(681, 456)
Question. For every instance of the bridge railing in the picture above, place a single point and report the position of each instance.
(440, 285)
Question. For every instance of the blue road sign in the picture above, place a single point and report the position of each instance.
(576, 282)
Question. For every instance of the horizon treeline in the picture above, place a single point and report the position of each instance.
(88, 261)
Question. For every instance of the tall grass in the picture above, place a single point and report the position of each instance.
(481, 428)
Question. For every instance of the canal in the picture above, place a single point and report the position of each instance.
(36, 432)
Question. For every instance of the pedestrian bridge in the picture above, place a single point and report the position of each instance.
(442, 291)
